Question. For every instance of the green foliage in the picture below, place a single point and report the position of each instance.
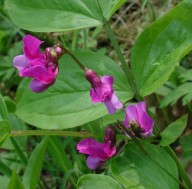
(68, 104)
(173, 131)
(160, 47)
(97, 181)
(15, 181)
(34, 166)
(54, 16)
(186, 142)
(182, 91)
(136, 170)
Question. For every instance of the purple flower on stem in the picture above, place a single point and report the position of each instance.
(98, 152)
(42, 67)
(138, 120)
(102, 91)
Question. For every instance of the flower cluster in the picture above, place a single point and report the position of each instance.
(43, 68)
(98, 152)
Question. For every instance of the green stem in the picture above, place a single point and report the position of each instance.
(85, 36)
(115, 44)
(163, 110)
(182, 172)
(121, 58)
(75, 40)
(142, 149)
(74, 58)
(15, 133)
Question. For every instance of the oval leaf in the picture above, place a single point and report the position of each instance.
(160, 47)
(97, 181)
(173, 131)
(54, 16)
(68, 104)
(135, 170)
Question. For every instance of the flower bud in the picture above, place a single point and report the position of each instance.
(59, 50)
(110, 136)
(51, 55)
(92, 77)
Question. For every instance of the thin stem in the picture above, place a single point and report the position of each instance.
(115, 44)
(74, 58)
(15, 133)
(181, 170)
(75, 40)
(142, 149)
(164, 110)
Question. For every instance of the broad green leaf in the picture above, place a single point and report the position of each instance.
(3, 110)
(15, 181)
(67, 103)
(54, 16)
(33, 169)
(173, 131)
(160, 47)
(97, 181)
(136, 170)
(182, 91)
(5, 130)
(186, 142)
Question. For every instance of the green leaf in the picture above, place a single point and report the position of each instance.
(3, 110)
(67, 103)
(182, 91)
(54, 16)
(173, 131)
(136, 170)
(186, 142)
(5, 130)
(15, 181)
(33, 169)
(92, 181)
(4, 169)
(160, 47)
(59, 154)
(16, 124)
(4, 180)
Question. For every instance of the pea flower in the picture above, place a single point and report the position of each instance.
(42, 67)
(102, 91)
(138, 120)
(98, 152)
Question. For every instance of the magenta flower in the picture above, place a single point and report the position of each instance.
(138, 120)
(102, 91)
(98, 152)
(37, 65)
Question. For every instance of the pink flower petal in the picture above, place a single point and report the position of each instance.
(39, 73)
(37, 86)
(21, 62)
(146, 123)
(108, 150)
(94, 96)
(131, 114)
(31, 47)
(91, 147)
(93, 162)
(107, 79)
(110, 107)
